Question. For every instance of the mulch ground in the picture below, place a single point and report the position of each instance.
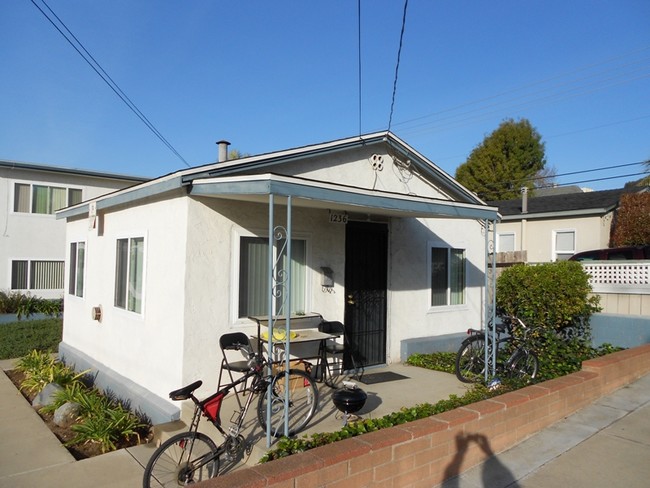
(66, 434)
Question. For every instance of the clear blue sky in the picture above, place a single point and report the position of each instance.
(275, 75)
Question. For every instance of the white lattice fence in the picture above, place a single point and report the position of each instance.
(619, 277)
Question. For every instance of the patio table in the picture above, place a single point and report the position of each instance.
(302, 336)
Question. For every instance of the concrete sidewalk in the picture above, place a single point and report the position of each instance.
(31, 455)
(605, 444)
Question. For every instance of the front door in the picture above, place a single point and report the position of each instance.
(366, 268)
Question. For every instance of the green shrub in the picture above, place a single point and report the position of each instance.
(550, 295)
(441, 361)
(40, 368)
(19, 338)
(25, 304)
(102, 418)
(286, 447)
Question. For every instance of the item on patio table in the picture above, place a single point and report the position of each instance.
(279, 334)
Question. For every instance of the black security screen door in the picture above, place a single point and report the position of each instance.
(366, 262)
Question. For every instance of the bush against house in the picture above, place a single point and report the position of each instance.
(550, 295)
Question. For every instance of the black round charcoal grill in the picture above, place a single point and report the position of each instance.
(349, 399)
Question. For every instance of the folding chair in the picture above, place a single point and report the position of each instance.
(235, 341)
(336, 351)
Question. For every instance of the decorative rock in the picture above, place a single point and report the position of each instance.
(66, 414)
(46, 396)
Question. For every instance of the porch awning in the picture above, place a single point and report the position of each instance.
(318, 194)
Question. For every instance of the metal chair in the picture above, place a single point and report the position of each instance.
(336, 350)
(235, 341)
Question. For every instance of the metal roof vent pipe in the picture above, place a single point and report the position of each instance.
(524, 199)
(223, 151)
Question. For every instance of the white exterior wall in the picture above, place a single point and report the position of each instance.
(214, 229)
(536, 236)
(358, 168)
(410, 313)
(27, 236)
(146, 348)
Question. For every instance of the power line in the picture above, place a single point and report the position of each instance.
(506, 185)
(94, 64)
(399, 54)
(552, 90)
(359, 57)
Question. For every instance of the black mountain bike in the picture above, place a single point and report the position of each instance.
(514, 357)
(192, 456)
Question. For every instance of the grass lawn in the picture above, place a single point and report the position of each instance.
(19, 338)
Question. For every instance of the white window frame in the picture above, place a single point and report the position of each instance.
(449, 247)
(235, 266)
(566, 253)
(514, 240)
(73, 274)
(30, 286)
(126, 308)
(31, 184)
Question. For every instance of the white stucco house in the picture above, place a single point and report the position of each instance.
(554, 225)
(381, 239)
(32, 243)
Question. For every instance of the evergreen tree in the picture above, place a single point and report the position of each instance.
(507, 160)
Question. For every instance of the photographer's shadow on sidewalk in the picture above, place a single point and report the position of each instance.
(492, 468)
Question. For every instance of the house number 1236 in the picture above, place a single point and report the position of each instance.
(338, 218)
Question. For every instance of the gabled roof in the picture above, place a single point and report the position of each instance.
(250, 179)
(570, 204)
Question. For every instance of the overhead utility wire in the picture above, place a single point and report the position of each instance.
(535, 83)
(399, 54)
(508, 184)
(106, 78)
(359, 57)
(551, 98)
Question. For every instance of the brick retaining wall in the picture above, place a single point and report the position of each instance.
(425, 452)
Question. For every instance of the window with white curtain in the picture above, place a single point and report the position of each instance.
(447, 267)
(43, 199)
(129, 273)
(77, 267)
(564, 244)
(37, 275)
(254, 276)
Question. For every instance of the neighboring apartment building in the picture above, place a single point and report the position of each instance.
(555, 225)
(32, 240)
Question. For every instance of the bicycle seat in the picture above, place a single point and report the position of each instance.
(185, 392)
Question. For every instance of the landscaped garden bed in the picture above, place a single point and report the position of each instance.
(100, 423)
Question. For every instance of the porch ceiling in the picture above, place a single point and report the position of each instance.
(317, 194)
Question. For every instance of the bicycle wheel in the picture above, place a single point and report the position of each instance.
(303, 401)
(524, 365)
(470, 360)
(182, 460)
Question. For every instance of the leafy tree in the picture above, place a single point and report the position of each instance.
(632, 225)
(507, 159)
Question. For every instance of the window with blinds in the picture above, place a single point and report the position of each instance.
(129, 274)
(564, 244)
(77, 267)
(254, 276)
(43, 199)
(447, 276)
(37, 275)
